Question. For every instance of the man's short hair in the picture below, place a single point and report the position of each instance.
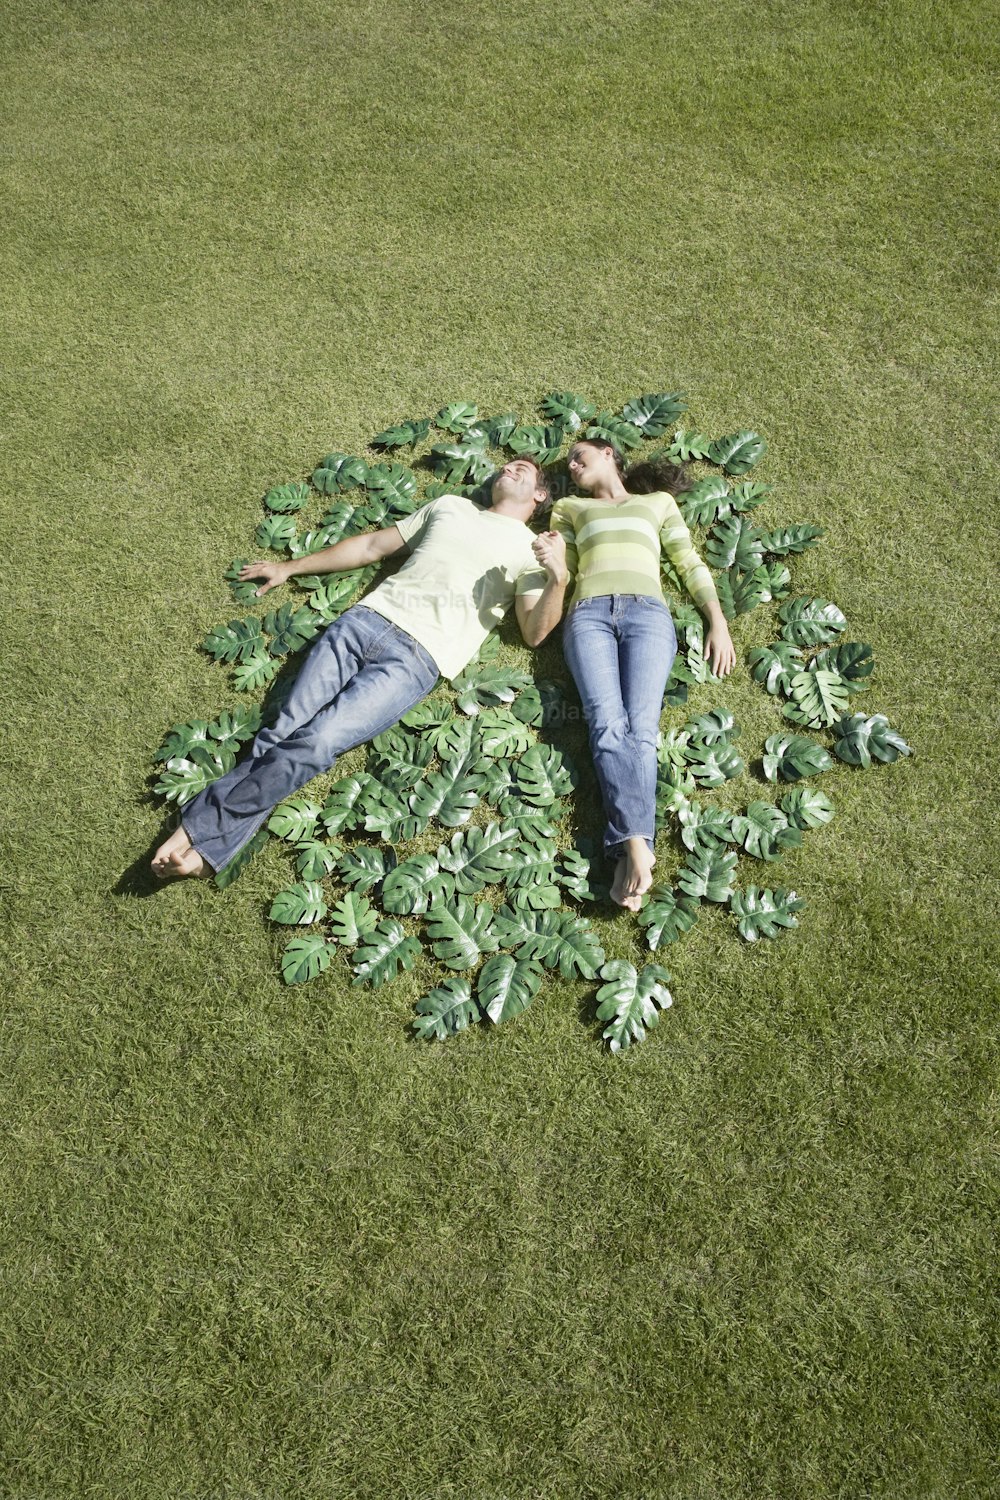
(543, 483)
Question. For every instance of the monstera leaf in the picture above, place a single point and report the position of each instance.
(284, 498)
(541, 704)
(295, 820)
(314, 859)
(708, 875)
(718, 727)
(365, 865)
(416, 884)
(256, 670)
(185, 776)
(502, 734)
(738, 452)
(507, 986)
(274, 532)
(774, 666)
(333, 594)
(338, 522)
(461, 931)
(305, 957)
(805, 807)
(290, 629)
(667, 916)
(447, 1010)
(481, 856)
(652, 415)
(557, 939)
(299, 905)
(499, 429)
(430, 713)
(531, 880)
(388, 814)
(763, 913)
(631, 1002)
(352, 920)
(398, 759)
(393, 485)
(225, 877)
(791, 756)
(542, 776)
(403, 435)
(339, 472)
(747, 496)
(706, 502)
(734, 542)
(852, 661)
(575, 872)
(456, 739)
(821, 697)
(457, 416)
(238, 641)
(344, 806)
(242, 589)
(479, 686)
(567, 410)
(860, 741)
(387, 950)
(765, 831)
(607, 428)
(465, 458)
(233, 728)
(790, 539)
(183, 737)
(712, 765)
(689, 445)
(448, 795)
(775, 580)
(542, 443)
(705, 829)
(809, 621)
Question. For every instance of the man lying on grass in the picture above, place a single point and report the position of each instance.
(380, 658)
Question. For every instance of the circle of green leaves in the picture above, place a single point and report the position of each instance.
(376, 885)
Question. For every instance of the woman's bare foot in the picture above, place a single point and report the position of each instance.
(175, 858)
(633, 874)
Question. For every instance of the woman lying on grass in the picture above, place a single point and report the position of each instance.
(619, 639)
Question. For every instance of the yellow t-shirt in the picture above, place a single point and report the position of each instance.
(465, 567)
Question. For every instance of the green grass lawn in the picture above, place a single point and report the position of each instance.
(258, 1241)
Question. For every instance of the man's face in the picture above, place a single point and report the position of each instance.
(517, 480)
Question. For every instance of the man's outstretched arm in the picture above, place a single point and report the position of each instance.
(352, 552)
(538, 614)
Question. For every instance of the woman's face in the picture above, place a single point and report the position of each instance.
(590, 466)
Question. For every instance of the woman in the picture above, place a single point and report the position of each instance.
(618, 638)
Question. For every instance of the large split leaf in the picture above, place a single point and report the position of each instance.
(416, 884)
(457, 416)
(859, 741)
(631, 1002)
(256, 670)
(399, 759)
(791, 539)
(774, 666)
(482, 856)
(463, 459)
(333, 594)
(299, 905)
(305, 957)
(806, 807)
(667, 915)
(717, 727)
(541, 443)
(764, 913)
(344, 806)
(448, 1009)
(567, 410)
(232, 728)
(181, 738)
(314, 860)
(851, 660)
(706, 502)
(558, 939)
(507, 986)
(339, 472)
(388, 949)
(242, 589)
(352, 920)
(581, 876)
(543, 704)
(481, 686)
(339, 521)
(502, 734)
(748, 495)
(705, 828)
(394, 485)
(738, 452)
(238, 641)
(290, 629)
(791, 756)
(461, 931)
(184, 777)
(285, 498)
(607, 428)
(734, 542)
(708, 875)
(499, 429)
(449, 795)
(809, 621)
(403, 435)
(653, 414)
(364, 866)
(274, 532)
(713, 765)
(765, 831)
(821, 697)
(689, 445)
(542, 775)
(295, 820)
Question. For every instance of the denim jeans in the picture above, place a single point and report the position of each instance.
(361, 675)
(620, 648)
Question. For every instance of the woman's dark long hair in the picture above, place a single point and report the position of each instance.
(650, 475)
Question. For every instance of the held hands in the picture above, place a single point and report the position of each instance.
(272, 573)
(719, 649)
(550, 550)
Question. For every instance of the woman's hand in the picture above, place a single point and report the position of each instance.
(272, 573)
(550, 549)
(720, 653)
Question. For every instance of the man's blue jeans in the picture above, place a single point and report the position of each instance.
(360, 677)
(620, 648)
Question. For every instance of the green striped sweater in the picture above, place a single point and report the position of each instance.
(614, 548)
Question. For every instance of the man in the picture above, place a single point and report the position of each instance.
(466, 566)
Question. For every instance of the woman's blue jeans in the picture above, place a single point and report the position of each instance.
(620, 648)
(361, 675)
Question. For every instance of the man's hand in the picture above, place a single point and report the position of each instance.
(550, 549)
(272, 573)
(719, 649)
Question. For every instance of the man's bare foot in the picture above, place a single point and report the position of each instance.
(633, 874)
(175, 859)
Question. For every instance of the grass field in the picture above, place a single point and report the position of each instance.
(259, 1242)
